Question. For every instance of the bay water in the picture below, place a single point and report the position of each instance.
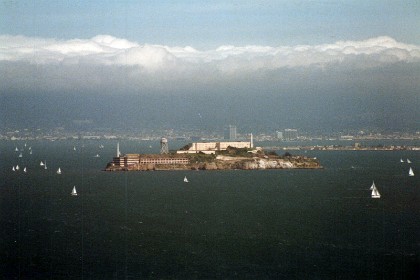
(236, 224)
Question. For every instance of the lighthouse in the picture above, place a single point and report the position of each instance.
(118, 149)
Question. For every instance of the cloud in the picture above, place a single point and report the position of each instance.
(108, 62)
(108, 50)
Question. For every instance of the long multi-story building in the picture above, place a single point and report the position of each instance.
(164, 160)
(138, 159)
(126, 160)
(213, 147)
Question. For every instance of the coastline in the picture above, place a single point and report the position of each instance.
(225, 163)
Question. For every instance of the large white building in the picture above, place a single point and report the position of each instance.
(213, 147)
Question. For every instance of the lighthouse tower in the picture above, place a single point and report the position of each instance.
(118, 149)
(251, 142)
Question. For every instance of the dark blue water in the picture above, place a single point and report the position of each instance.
(270, 224)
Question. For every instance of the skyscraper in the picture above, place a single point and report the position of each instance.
(230, 133)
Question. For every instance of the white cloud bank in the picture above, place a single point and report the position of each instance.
(108, 64)
(108, 50)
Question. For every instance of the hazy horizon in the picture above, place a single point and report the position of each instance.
(325, 65)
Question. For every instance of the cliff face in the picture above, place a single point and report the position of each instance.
(263, 163)
(227, 163)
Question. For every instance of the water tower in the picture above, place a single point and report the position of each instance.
(164, 148)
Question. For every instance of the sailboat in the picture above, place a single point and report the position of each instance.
(17, 167)
(375, 192)
(41, 163)
(59, 171)
(408, 161)
(24, 169)
(410, 172)
(20, 155)
(13, 168)
(401, 160)
(45, 165)
(185, 179)
(16, 149)
(74, 148)
(74, 192)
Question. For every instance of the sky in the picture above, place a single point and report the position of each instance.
(257, 64)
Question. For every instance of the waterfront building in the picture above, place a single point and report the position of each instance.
(138, 159)
(290, 134)
(126, 160)
(164, 160)
(119, 160)
(346, 137)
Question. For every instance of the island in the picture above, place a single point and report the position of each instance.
(211, 156)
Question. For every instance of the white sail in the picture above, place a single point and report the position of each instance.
(375, 192)
(408, 161)
(45, 165)
(401, 160)
(13, 168)
(59, 171)
(24, 169)
(410, 172)
(74, 148)
(41, 163)
(74, 192)
(373, 186)
(20, 155)
(16, 149)
(185, 179)
(17, 167)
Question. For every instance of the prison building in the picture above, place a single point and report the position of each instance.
(131, 159)
(212, 147)
(164, 160)
(126, 160)
(119, 161)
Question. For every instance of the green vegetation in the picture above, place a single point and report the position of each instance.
(238, 152)
(201, 157)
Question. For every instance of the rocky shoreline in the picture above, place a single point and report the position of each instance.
(223, 162)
